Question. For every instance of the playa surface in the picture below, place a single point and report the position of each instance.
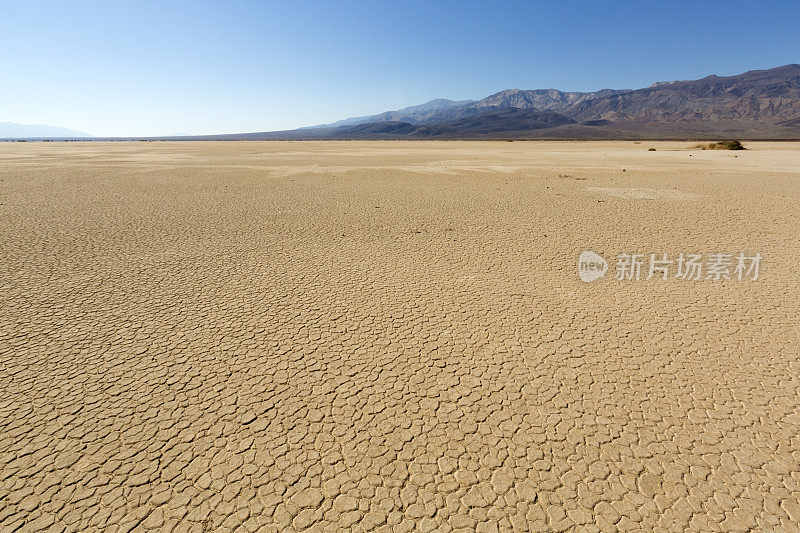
(393, 336)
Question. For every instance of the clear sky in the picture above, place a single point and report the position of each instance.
(159, 68)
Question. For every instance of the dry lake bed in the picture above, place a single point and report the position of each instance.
(394, 336)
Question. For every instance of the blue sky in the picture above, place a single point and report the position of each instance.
(157, 68)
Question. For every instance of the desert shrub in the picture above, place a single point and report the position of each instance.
(651, 149)
(730, 145)
(722, 145)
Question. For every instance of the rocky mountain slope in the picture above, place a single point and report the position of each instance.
(419, 114)
(756, 104)
(759, 96)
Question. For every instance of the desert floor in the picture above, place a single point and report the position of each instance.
(393, 336)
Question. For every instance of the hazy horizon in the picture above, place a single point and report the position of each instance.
(202, 68)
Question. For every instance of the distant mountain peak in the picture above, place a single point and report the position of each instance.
(663, 83)
(411, 114)
(13, 130)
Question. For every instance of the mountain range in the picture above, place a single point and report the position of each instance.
(12, 130)
(759, 104)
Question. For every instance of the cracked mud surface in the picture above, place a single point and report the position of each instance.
(393, 337)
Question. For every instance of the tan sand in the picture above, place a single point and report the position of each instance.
(393, 336)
